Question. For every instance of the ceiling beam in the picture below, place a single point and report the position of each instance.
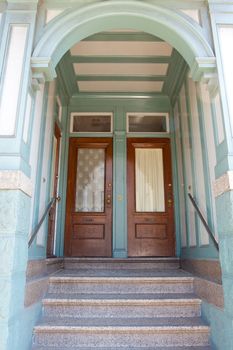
(120, 59)
(122, 36)
(137, 95)
(121, 77)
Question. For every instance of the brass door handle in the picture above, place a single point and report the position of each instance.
(169, 203)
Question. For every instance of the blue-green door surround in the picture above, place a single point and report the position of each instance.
(82, 21)
(120, 107)
(76, 24)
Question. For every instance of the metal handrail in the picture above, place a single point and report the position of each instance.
(36, 229)
(205, 223)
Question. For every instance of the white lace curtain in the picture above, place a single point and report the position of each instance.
(149, 180)
(90, 180)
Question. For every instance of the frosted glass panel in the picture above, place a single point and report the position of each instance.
(90, 180)
(149, 180)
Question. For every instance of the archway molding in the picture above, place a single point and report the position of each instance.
(72, 26)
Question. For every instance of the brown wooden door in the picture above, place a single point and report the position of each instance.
(89, 198)
(55, 177)
(150, 198)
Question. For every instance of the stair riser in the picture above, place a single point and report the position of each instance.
(93, 288)
(126, 340)
(123, 348)
(121, 266)
(122, 311)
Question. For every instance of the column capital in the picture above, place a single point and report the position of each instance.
(43, 66)
(203, 68)
(18, 5)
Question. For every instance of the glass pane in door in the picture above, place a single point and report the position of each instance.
(90, 180)
(149, 180)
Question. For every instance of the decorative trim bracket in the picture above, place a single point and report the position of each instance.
(203, 68)
(43, 69)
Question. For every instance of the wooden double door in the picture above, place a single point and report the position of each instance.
(89, 208)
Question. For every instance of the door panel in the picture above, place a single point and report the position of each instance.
(89, 198)
(150, 198)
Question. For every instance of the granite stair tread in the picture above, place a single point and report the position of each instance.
(98, 308)
(69, 323)
(115, 273)
(128, 348)
(130, 297)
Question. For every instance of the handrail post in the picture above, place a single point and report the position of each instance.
(36, 229)
(208, 229)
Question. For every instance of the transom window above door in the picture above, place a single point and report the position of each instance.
(147, 122)
(91, 122)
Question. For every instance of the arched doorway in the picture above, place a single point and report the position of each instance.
(176, 30)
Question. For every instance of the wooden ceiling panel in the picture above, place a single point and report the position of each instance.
(122, 62)
(119, 86)
(121, 48)
(121, 69)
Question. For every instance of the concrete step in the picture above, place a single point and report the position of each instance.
(124, 305)
(121, 332)
(69, 284)
(171, 263)
(128, 348)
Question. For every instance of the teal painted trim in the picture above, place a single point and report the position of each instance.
(25, 147)
(175, 186)
(120, 237)
(63, 177)
(14, 162)
(222, 85)
(49, 167)
(148, 134)
(221, 326)
(60, 205)
(101, 103)
(224, 163)
(187, 220)
(175, 73)
(123, 36)
(11, 147)
(120, 59)
(193, 167)
(207, 252)
(121, 78)
(215, 127)
(32, 113)
(89, 134)
(119, 95)
(62, 92)
(66, 73)
(171, 26)
(176, 81)
(205, 160)
(2, 24)
(28, 319)
(34, 250)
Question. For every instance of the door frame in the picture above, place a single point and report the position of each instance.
(168, 194)
(71, 178)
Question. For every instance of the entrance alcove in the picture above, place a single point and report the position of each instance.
(141, 59)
